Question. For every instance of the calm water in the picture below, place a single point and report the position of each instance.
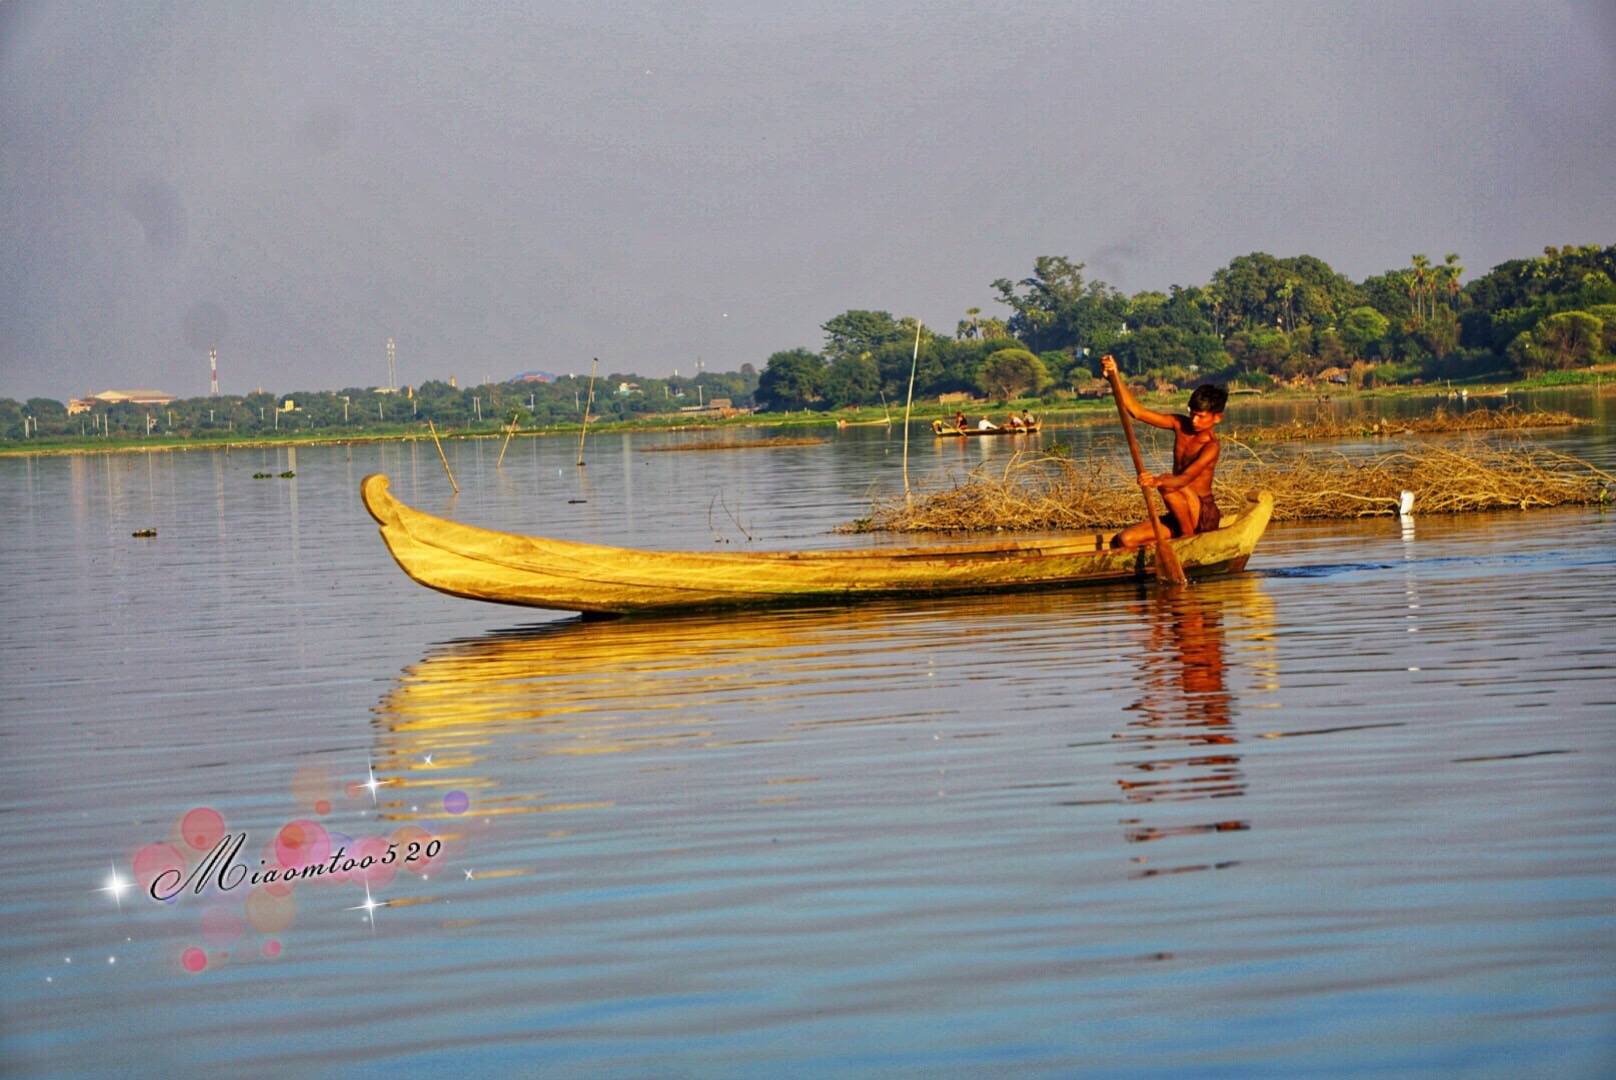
(1348, 814)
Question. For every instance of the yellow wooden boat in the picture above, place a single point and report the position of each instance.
(506, 568)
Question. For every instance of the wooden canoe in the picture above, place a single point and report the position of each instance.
(941, 429)
(506, 568)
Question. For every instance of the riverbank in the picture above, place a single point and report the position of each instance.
(1494, 395)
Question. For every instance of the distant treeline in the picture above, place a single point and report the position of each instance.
(365, 412)
(1261, 320)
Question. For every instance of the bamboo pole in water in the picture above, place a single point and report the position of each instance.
(907, 405)
(441, 456)
(506, 443)
(588, 403)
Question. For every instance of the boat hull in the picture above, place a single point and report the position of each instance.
(506, 568)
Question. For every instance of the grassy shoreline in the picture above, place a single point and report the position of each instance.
(1098, 410)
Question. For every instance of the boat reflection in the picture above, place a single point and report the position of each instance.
(688, 720)
(471, 708)
(1182, 740)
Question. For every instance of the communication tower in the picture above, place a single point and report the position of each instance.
(213, 369)
(392, 368)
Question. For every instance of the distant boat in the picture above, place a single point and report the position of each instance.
(944, 429)
(506, 568)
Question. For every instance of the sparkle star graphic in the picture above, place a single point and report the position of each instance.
(116, 885)
(372, 783)
(369, 906)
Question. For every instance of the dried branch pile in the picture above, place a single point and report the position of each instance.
(1035, 491)
(1325, 426)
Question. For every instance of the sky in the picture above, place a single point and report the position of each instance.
(504, 187)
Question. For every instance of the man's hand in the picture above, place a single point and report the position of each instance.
(1148, 481)
(1108, 365)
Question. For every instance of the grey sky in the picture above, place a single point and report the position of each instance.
(506, 186)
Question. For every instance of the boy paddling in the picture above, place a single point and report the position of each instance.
(1188, 489)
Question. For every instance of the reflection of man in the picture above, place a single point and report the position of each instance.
(1186, 711)
(1195, 632)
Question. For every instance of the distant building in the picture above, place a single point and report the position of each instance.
(722, 407)
(119, 397)
(534, 376)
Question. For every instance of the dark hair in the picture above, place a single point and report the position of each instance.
(1209, 397)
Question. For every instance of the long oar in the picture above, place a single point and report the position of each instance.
(1169, 571)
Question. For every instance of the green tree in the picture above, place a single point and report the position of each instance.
(1606, 314)
(851, 380)
(1595, 290)
(1420, 282)
(993, 328)
(1362, 328)
(11, 414)
(1388, 294)
(49, 416)
(790, 380)
(854, 333)
(1163, 348)
(1437, 333)
(1057, 308)
(1451, 273)
(1568, 339)
(1264, 349)
(1012, 373)
(1261, 290)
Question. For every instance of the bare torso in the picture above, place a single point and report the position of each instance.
(1188, 448)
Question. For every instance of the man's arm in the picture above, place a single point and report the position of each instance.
(1204, 462)
(1108, 367)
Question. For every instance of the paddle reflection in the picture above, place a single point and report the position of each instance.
(1182, 740)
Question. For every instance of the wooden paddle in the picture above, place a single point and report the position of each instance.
(1169, 571)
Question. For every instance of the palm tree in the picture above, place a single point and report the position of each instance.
(1420, 284)
(968, 325)
(1452, 270)
(1212, 297)
(1287, 292)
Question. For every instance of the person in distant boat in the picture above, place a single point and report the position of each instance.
(1026, 418)
(1014, 423)
(959, 420)
(1187, 490)
(985, 424)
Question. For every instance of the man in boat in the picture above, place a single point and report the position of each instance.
(1188, 489)
(1014, 423)
(959, 420)
(1026, 418)
(985, 424)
